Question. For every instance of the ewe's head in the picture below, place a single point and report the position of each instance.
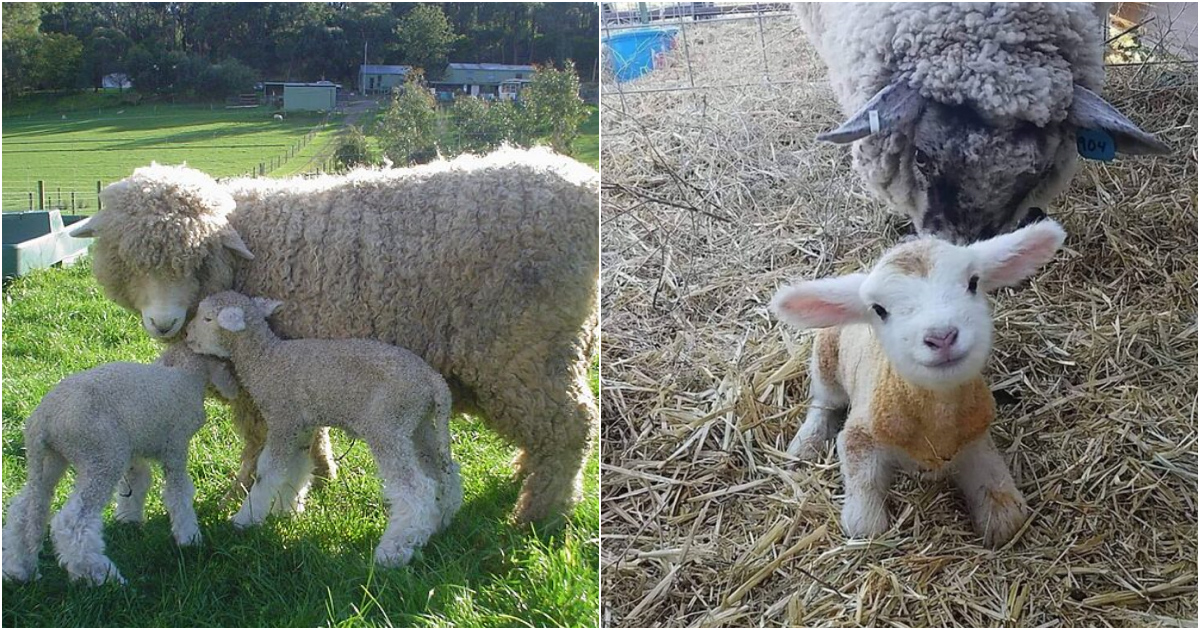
(223, 316)
(965, 174)
(162, 242)
(926, 300)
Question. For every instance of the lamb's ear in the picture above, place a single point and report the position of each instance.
(896, 106)
(1090, 111)
(231, 239)
(232, 318)
(267, 305)
(1010, 258)
(88, 227)
(821, 303)
(222, 379)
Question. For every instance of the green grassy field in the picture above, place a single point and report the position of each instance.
(313, 570)
(71, 154)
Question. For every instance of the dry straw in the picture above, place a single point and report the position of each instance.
(712, 199)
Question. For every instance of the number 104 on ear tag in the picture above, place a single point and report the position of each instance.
(1095, 144)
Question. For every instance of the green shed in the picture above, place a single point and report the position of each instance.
(377, 79)
(319, 96)
(483, 79)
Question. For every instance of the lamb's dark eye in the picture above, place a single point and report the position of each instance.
(921, 159)
(973, 284)
(880, 311)
(208, 319)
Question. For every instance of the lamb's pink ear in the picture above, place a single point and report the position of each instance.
(821, 303)
(231, 239)
(267, 305)
(232, 318)
(1008, 259)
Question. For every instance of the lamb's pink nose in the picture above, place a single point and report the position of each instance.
(941, 338)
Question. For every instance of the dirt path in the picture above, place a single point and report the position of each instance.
(354, 111)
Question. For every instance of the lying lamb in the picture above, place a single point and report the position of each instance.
(965, 116)
(387, 395)
(106, 422)
(903, 348)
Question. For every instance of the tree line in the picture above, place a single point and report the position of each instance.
(216, 49)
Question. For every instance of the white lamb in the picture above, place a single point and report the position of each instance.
(903, 348)
(107, 422)
(388, 396)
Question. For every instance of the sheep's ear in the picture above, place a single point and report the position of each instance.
(88, 227)
(1090, 111)
(222, 380)
(896, 106)
(821, 303)
(267, 306)
(231, 239)
(1010, 258)
(232, 318)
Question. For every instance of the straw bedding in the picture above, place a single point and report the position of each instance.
(712, 199)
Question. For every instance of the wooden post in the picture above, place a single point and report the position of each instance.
(98, 195)
(41, 194)
(31, 201)
(72, 201)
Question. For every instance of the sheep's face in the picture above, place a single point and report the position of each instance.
(966, 180)
(163, 301)
(926, 300)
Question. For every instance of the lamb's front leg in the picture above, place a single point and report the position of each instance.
(829, 401)
(867, 472)
(998, 509)
(178, 495)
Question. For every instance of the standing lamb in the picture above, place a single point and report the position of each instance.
(387, 395)
(487, 267)
(903, 347)
(966, 114)
(106, 422)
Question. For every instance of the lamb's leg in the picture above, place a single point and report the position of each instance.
(323, 466)
(28, 514)
(77, 528)
(997, 507)
(131, 492)
(867, 473)
(414, 514)
(178, 494)
(826, 412)
(432, 440)
(294, 488)
(249, 425)
(279, 457)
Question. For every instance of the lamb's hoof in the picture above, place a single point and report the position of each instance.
(189, 539)
(864, 518)
(805, 450)
(1001, 518)
(129, 518)
(242, 520)
(392, 555)
(15, 573)
(100, 573)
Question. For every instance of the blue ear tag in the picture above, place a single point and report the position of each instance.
(1095, 144)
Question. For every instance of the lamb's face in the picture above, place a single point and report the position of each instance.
(965, 180)
(210, 330)
(929, 312)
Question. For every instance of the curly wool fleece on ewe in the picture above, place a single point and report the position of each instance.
(902, 348)
(386, 395)
(487, 267)
(975, 106)
(106, 422)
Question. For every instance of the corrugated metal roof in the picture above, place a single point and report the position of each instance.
(379, 69)
(489, 66)
(303, 84)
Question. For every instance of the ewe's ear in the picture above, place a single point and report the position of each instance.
(1090, 111)
(222, 380)
(894, 107)
(88, 227)
(232, 318)
(231, 239)
(1010, 258)
(821, 303)
(267, 306)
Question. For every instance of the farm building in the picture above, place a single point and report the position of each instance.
(297, 96)
(116, 80)
(485, 80)
(376, 79)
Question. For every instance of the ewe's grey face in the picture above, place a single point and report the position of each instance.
(972, 181)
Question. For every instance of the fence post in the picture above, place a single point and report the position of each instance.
(31, 201)
(72, 201)
(98, 196)
(41, 193)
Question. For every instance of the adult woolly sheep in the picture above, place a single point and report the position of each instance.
(487, 267)
(975, 106)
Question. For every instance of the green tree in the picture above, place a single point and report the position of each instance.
(57, 62)
(20, 36)
(553, 105)
(102, 53)
(424, 36)
(408, 129)
(353, 150)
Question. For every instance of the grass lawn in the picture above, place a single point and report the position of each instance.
(70, 154)
(313, 570)
(587, 145)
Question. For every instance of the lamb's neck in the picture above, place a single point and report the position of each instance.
(251, 349)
